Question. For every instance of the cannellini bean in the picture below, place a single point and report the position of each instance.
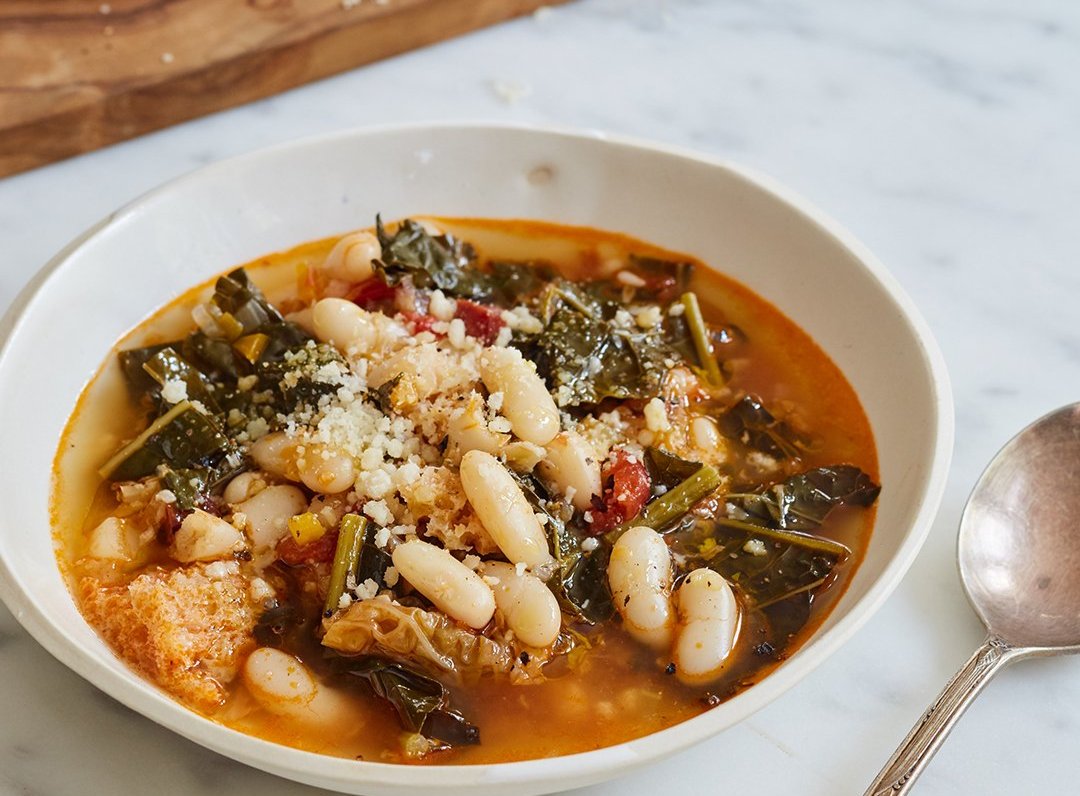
(527, 605)
(268, 512)
(204, 537)
(115, 539)
(522, 456)
(455, 589)
(708, 625)
(571, 464)
(276, 454)
(526, 404)
(503, 510)
(304, 318)
(350, 259)
(244, 486)
(705, 433)
(468, 431)
(326, 470)
(640, 576)
(284, 686)
(345, 325)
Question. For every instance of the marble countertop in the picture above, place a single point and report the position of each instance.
(943, 134)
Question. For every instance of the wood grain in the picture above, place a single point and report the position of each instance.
(78, 75)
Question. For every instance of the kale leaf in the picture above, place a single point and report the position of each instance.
(585, 356)
(432, 261)
(666, 469)
(421, 702)
(763, 543)
(802, 502)
(749, 422)
(580, 583)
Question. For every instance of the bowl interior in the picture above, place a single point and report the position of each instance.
(232, 212)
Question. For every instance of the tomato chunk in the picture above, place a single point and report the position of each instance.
(371, 293)
(481, 321)
(319, 551)
(421, 323)
(626, 490)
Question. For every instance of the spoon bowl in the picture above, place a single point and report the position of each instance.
(1020, 565)
(1019, 546)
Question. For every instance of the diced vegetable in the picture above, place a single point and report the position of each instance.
(252, 346)
(626, 490)
(321, 551)
(306, 528)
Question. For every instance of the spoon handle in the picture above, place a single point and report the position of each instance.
(898, 775)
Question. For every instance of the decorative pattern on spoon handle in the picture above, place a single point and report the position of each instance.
(927, 735)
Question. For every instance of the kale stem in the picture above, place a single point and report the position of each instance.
(346, 557)
(700, 334)
(818, 544)
(128, 450)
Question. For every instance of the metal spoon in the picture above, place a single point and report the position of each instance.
(1019, 552)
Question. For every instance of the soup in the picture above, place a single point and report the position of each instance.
(462, 491)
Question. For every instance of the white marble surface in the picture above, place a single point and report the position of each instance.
(944, 134)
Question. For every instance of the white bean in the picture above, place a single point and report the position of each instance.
(326, 470)
(527, 605)
(115, 539)
(468, 431)
(244, 486)
(526, 402)
(455, 589)
(706, 434)
(267, 513)
(572, 464)
(503, 510)
(304, 318)
(640, 576)
(350, 259)
(708, 625)
(276, 454)
(204, 537)
(283, 685)
(340, 322)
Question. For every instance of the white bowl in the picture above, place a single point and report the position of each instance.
(140, 257)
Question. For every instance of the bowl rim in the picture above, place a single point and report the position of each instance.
(329, 771)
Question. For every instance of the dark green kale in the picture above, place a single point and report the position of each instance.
(762, 541)
(585, 355)
(192, 445)
(802, 502)
(749, 422)
(666, 469)
(432, 261)
(421, 702)
(183, 438)
(580, 583)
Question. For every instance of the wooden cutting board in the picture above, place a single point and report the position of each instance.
(76, 75)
